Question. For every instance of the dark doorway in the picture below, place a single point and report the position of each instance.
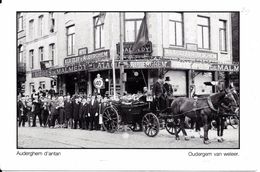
(70, 80)
(136, 80)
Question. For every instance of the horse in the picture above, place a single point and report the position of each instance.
(205, 109)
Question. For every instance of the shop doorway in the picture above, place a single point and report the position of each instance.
(70, 83)
(136, 80)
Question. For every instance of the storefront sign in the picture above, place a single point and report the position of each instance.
(189, 55)
(226, 67)
(148, 64)
(59, 71)
(95, 56)
(187, 64)
(146, 49)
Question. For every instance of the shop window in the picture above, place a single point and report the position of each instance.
(70, 40)
(203, 31)
(31, 59)
(176, 29)
(41, 53)
(98, 33)
(200, 87)
(222, 35)
(31, 29)
(40, 25)
(20, 22)
(132, 25)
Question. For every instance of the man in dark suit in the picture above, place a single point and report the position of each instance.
(83, 113)
(22, 111)
(68, 112)
(168, 91)
(76, 106)
(158, 93)
(93, 110)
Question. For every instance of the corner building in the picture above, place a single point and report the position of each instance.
(68, 50)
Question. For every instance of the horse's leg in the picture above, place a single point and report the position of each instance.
(175, 130)
(223, 119)
(198, 126)
(219, 127)
(206, 129)
(182, 124)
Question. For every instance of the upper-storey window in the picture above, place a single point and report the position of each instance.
(98, 33)
(31, 29)
(203, 30)
(132, 25)
(71, 40)
(40, 25)
(176, 29)
(20, 22)
(223, 35)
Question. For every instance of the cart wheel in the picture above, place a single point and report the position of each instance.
(110, 119)
(170, 124)
(150, 124)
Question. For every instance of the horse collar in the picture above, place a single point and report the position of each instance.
(211, 104)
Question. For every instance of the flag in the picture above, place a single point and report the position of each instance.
(142, 37)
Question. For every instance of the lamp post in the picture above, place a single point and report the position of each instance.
(122, 85)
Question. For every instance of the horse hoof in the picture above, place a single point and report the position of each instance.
(220, 140)
(206, 142)
(177, 138)
(192, 137)
(186, 139)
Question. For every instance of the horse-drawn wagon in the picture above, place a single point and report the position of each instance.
(138, 116)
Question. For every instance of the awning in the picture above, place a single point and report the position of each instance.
(137, 64)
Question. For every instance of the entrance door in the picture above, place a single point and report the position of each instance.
(136, 81)
(70, 84)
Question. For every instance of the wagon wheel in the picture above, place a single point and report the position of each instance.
(110, 119)
(150, 124)
(170, 124)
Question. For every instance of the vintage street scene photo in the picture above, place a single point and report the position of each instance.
(128, 79)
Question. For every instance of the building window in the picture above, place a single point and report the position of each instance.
(42, 84)
(31, 85)
(223, 35)
(51, 22)
(20, 54)
(40, 25)
(41, 53)
(132, 25)
(31, 59)
(20, 22)
(203, 32)
(70, 40)
(51, 52)
(176, 29)
(98, 33)
(31, 29)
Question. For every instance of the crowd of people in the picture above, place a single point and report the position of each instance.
(52, 110)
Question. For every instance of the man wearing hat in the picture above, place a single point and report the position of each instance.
(158, 93)
(168, 91)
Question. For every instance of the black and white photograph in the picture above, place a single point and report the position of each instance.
(128, 79)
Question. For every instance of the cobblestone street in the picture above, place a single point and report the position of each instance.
(69, 138)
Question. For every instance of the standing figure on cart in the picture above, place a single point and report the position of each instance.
(159, 93)
(168, 91)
